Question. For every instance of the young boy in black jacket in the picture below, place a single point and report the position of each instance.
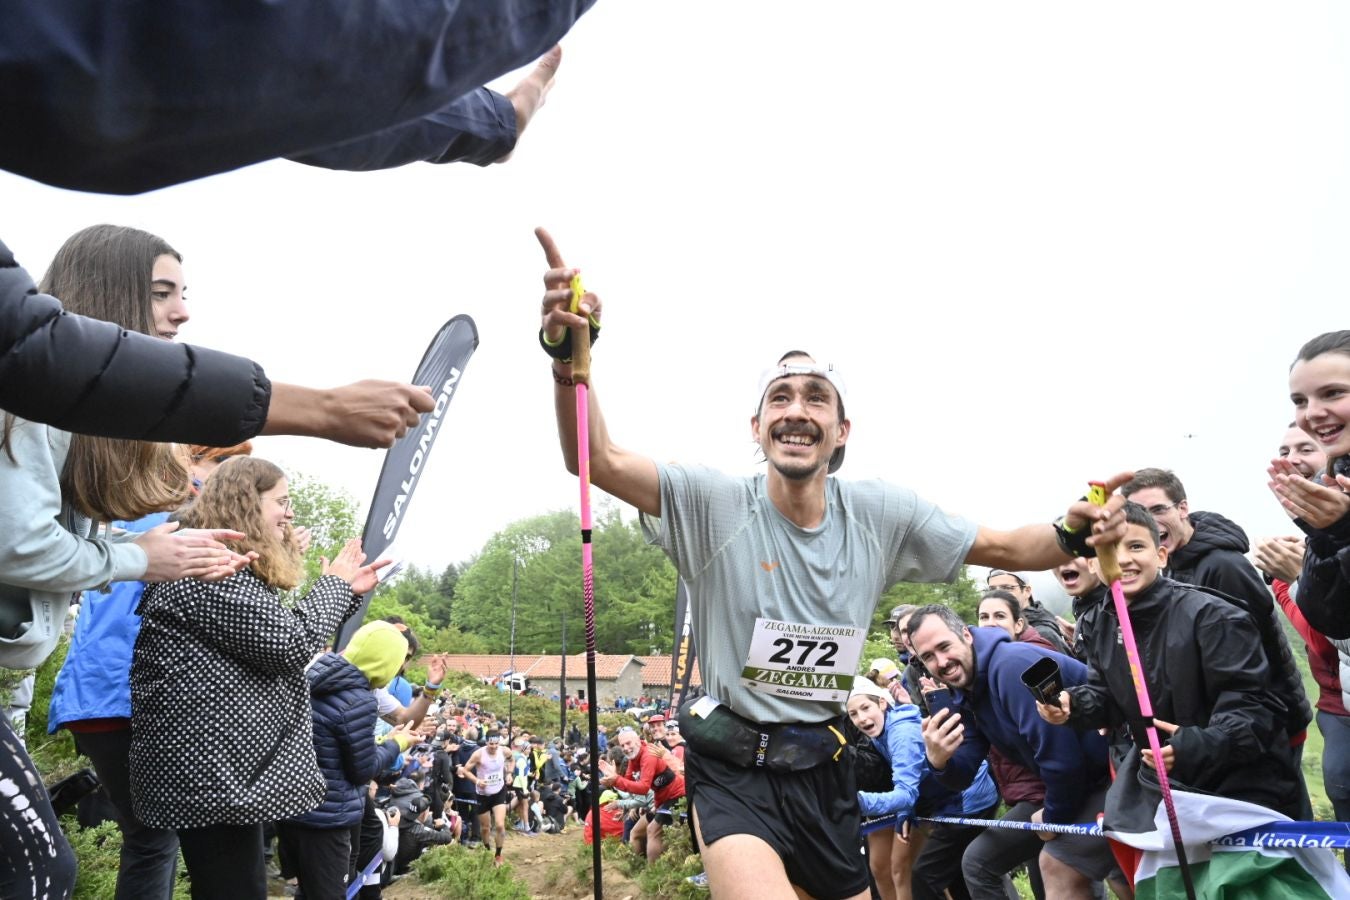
(1208, 679)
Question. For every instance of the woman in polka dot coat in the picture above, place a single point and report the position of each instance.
(222, 736)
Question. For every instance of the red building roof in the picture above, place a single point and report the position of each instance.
(656, 671)
(608, 666)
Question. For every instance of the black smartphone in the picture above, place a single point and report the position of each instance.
(938, 698)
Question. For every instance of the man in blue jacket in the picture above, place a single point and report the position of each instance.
(983, 667)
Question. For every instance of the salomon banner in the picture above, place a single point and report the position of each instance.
(441, 368)
(682, 659)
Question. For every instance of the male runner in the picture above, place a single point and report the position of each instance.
(487, 769)
(784, 570)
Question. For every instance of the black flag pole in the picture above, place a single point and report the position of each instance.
(441, 369)
(683, 655)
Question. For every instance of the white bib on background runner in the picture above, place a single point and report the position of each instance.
(490, 769)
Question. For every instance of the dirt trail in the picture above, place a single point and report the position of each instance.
(547, 864)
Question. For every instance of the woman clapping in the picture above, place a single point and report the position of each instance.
(222, 736)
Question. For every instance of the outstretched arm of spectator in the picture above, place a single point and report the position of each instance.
(645, 776)
(413, 714)
(905, 746)
(482, 127)
(364, 414)
(213, 86)
(37, 553)
(89, 376)
(247, 622)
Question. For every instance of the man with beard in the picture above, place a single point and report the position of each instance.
(784, 569)
(646, 772)
(1205, 549)
(992, 708)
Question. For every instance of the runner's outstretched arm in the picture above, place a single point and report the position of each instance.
(628, 476)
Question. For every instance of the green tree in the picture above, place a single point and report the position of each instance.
(430, 594)
(540, 560)
(961, 595)
(635, 587)
(330, 514)
(525, 559)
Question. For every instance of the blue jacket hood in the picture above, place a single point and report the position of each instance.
(332, 673)
(985, 640)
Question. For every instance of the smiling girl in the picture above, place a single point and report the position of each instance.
(60, 490)
(222, 736)
(1319, 386)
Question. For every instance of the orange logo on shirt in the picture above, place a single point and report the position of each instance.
(768, 566)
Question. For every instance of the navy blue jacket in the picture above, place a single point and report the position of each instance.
(344, 741)
(127, 97)
(998, 709)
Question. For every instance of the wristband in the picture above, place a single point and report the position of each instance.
(562, 350)
(431, 687)
(1073, 542)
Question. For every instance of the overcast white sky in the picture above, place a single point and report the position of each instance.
(1045, 242)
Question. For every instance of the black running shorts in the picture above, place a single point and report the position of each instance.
(810, 818)
(487, 801)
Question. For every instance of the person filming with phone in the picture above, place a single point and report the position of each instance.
(992, 707)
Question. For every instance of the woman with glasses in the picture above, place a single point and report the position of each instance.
(222, 735)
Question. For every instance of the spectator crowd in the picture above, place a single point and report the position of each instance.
(221, 724)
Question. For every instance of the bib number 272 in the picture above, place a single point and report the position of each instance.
(826, 651)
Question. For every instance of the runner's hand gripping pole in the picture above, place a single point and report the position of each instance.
(581, 344)
(1110, 569)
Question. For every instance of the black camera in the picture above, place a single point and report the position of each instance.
(72, 789)
(1044, 681)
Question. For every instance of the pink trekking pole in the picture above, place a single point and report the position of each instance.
(1110, 568)
(581, 376)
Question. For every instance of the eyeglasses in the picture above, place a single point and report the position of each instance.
(1160, 508)
(284, 503)
(1000, 573)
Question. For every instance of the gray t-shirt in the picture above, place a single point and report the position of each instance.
(742, 560)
